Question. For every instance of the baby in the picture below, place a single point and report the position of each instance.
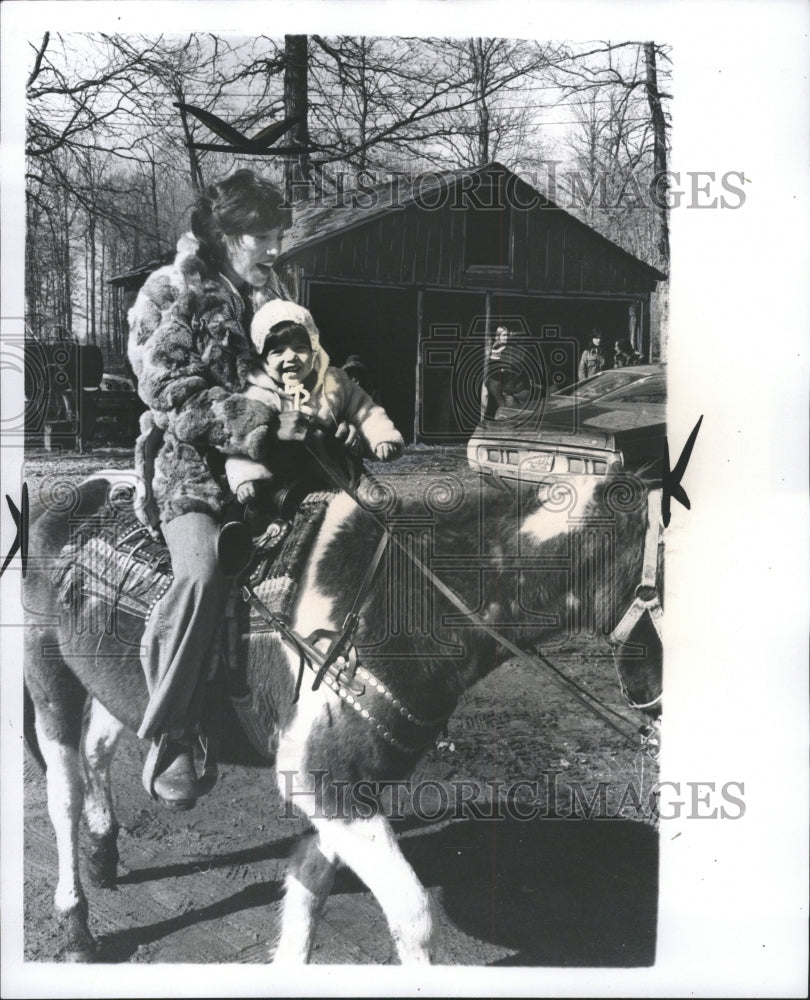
(296, 375)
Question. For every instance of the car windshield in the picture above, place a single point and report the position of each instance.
(599, 385)
(632, 386)
(647, 390)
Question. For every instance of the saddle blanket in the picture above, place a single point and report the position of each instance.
(115, 560)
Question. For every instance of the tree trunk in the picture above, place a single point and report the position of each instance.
(92, 337)
(479, 63)
(195, 169)
(101, 339)
(155, 216)
(659, 184)
(296, 168)
(67, 308)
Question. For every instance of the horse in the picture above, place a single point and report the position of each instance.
(465, 564)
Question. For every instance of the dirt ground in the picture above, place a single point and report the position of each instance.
(554, 889)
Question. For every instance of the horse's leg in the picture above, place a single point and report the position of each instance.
(306, 888)
(370, 849)
(64, 786)
(100, 741)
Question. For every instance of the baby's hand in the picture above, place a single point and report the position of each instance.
(347, 433)
(246, 492)
(387, 451)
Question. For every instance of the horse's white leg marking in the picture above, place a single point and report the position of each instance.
(64, 808)
(100, 741)
(305, 892)
(370, 849)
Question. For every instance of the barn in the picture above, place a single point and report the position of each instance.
(415, 275)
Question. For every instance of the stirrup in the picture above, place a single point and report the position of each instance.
(234, 547)
(154, 758)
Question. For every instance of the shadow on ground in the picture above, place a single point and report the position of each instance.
(574, 893)
(121, 945)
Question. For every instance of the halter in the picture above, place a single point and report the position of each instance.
(342, 654)
(647, 597)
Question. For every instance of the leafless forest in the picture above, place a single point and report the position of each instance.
(113, 164)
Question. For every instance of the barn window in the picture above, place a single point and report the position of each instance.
(488, 225)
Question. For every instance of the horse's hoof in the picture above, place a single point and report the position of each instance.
(102, 876)
(84, 955)
(101, 861)
(71, 926)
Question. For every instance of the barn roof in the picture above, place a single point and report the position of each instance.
(320, 221)
(136, 276)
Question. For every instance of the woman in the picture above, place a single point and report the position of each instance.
(593, 359)
(190, 353)
(508, 380)
(625, 356)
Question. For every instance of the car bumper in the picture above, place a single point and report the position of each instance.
(517, 464)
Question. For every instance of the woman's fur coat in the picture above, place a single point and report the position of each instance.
(191, 355)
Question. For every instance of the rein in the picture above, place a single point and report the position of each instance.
(342, 653)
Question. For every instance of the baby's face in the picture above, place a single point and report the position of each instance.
(290, 354)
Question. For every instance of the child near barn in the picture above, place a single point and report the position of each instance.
(295, 374)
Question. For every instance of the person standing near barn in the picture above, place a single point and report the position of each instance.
(358, 372)
(625, 355)
(190, 352)
(593, 360)
(509, 381)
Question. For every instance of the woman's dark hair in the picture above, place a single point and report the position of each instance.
(237, 205)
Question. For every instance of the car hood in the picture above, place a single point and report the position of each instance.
(595, 425)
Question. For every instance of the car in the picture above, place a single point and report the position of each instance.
(613, 420)
(118, 408)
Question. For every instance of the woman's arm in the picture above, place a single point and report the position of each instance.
(174, 381)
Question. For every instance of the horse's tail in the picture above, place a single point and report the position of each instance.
(29, 729)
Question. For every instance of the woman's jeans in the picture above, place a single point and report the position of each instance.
(183, 629)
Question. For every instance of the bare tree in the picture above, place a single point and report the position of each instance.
(402, 102)
(659, 181)
(618, 144)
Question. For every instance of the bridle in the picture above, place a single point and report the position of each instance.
(339, 666)
(647, 597)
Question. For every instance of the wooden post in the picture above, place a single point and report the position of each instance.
(644, 312)
(487, 347)
(417, 413)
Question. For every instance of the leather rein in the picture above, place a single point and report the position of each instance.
(339, 667)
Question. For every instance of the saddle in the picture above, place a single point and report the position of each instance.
(115, 564)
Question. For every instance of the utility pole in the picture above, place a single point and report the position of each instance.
(296, 167)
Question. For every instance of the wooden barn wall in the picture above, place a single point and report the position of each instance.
(551, 254)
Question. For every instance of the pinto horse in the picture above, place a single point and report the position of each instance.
(458, 557)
